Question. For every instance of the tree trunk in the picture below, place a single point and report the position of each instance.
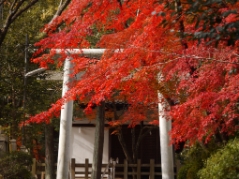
(124, 146)
(49, 152)
(120, 136)
(99, 141)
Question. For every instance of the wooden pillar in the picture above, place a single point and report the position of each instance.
(49, 152)
(73, 168)
(86, 168)
(125, 169)
(99, 142)
(138, 169)
(152, 169)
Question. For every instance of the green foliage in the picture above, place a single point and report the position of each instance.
(192, 165)
(224, 164)
(212, 161)
(209, 20)
(12, 89)
(193, 160)
(15, 165)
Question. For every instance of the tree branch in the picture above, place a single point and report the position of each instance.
(121, 137)
(18, 13)
(62, 6)
(178, 9)
(1, 2)
(143, 132)
(14, 12)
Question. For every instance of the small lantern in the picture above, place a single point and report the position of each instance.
(3, 143)
(12, 145)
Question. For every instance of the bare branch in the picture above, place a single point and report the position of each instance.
(62, 6)
(12, 6)
(16, 9)
(18, 13)
(1, 2)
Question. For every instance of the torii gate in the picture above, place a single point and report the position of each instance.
(64, 158)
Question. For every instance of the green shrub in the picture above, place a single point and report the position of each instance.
(193, 158)
(16, 165)
(189, 171)
(224, 164)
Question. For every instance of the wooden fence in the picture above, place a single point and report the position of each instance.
(111, 170)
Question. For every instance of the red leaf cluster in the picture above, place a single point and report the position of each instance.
(144, 39)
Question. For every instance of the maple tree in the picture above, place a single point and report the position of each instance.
(145, 39)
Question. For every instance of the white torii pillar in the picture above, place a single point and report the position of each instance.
(64, 148)
(166, 149)
(65, 144)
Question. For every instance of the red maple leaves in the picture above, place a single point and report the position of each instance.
(144, 39)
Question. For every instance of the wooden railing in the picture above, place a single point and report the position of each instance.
(123, 171)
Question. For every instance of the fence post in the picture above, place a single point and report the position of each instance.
(113, 169)
(73, 168)
(152, 167)
(42, 175)
(110, 170)
(138, 169)
(86, 168)
(125, 169)
(34, 167)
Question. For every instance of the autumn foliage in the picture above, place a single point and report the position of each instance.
(192, 44)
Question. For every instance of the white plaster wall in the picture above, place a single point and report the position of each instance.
(83, 144)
